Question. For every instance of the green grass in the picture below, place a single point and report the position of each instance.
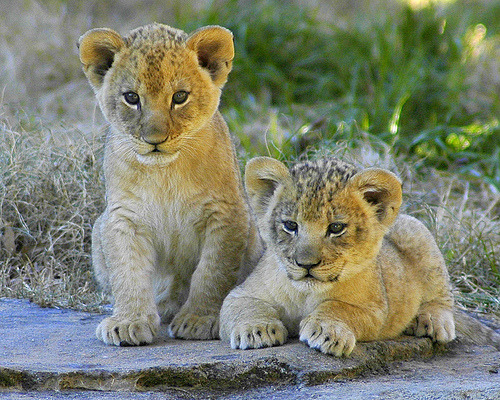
(404, 78)
(416, 91)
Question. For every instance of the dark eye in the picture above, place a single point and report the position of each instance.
(290, 227)
(131, 98)
(336, 229)
(180, 97)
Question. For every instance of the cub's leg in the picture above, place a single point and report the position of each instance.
(435, 315)
(433, 320)
(124, 259)
(101, 272)
(428, 268)
(213, 277)
(198, 318)
(334, 327)
(171, 293)
(250, 323)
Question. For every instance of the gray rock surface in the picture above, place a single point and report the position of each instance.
(53, 354)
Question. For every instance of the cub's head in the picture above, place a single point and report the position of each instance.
(157, 86)
(323, 219)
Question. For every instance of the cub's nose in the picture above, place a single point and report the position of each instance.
(307, 264)
(154, 137)
(307, 256)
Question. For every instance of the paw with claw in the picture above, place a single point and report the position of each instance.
(186, 325)
(437, 324)
(258, 335)
(327, 336)
(122, 331)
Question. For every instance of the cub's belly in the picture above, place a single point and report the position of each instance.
(178, 241)
(178, 254)
(179, 250)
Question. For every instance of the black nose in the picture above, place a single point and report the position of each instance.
(307, 265)
(154, 141)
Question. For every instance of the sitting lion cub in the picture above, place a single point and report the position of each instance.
(340, 266)
(176, 229)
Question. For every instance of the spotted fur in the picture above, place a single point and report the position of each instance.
(341, 265)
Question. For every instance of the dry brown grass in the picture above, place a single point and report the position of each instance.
(463, 216)
(50, 193)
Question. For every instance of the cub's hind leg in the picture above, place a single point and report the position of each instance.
(435, 315)
(428, 271)
(101, 272)
(171, 293)
(433, 320)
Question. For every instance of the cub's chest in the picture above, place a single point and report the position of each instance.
(176, 228)
(294, 300)
(166, 212)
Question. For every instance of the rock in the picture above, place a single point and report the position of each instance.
(54, 350)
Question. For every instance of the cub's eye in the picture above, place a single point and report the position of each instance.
(131, 98)
(336, 229)
(290, 227)
(180, 97)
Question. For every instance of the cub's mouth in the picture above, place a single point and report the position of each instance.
(310, 276)
(156, 156)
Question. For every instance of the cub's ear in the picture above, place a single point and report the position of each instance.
(98, 48)
(215, 49)
(263, 175)
(381, 189)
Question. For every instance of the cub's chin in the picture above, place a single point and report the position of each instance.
(152, 155)
(157, 158)
(307, 282)
(310, 285)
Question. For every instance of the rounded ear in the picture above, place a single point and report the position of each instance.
(382, 190)
(263, 175)
(98, 48)
(215, 50)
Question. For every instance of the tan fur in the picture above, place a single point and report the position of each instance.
(352, 270)
(176, 230)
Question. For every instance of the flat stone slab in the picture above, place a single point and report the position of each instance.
(47, 349)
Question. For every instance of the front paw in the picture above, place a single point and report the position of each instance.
(439, 325)
(122, 331)
(258, 335)
(327, 336)
(186, 325)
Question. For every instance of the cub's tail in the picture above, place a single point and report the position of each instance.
(471, 330)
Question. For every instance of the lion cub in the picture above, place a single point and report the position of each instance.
(176, 230)
(340, 266)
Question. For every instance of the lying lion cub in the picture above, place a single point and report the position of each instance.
(341, 266)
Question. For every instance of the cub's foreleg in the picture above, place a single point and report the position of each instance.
(129, 258)
(216, 273)
(250, 323)
(334, 327)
